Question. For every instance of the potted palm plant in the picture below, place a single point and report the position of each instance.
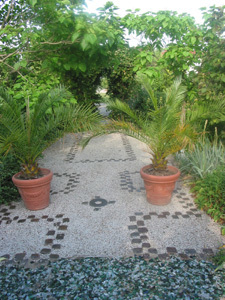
(26, 133)
(164, 129)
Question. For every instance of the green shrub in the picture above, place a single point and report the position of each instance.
(8, 167)
(219, 258)
(210, 194)
(204, 159)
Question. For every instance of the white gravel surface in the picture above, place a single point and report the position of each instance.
(98, 208)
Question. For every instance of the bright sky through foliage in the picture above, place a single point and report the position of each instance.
(191, 6)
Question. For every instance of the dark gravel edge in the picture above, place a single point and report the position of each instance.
(132, 278)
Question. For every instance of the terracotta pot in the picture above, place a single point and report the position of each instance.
(159, 189)
(35, 192)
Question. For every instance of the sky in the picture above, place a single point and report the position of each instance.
(189, 6)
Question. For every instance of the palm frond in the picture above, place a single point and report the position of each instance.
(165, 132)
(28, 133)
(147, 85)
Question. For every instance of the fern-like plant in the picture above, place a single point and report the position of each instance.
(163, 128)
(26, 132)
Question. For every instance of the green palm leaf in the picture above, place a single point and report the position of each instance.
(27, 133)
(164, 129)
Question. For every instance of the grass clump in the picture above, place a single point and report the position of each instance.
(203, 160)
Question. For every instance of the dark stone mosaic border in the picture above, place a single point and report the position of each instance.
(101, 160)
(52, 242)
(141, 245)
(75, 147)
(72, 153)
(73, 181)
(128, 148)
(126, 182)
(5, 214)
(186, 201)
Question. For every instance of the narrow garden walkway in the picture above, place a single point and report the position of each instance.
(98, 209)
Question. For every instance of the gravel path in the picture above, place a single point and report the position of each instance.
(103, 278)
(98, 209)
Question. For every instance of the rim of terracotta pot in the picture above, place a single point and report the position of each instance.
(166, 178)
(48, 174)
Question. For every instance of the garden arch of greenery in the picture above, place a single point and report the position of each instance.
(50, 43)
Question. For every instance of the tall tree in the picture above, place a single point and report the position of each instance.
(55, 35)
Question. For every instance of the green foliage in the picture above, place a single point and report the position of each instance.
(84, 85)
(44, 43)
(176, 45)
(139, 99)
(120, 75)
(30, 170)
(219, 259)
(164, 128)
(27, 133)
(34, 84)
(206, 165)
(9, 165)
(223, 230)
(56, 36)
(204, 159)
(211, 77)
(210, 194)
(176, 37)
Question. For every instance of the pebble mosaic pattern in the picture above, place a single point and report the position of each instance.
(97, 203)
(126, 181)
(187, 203)
(137, 224)
(53, 240)
(72, 153)
(141, 246)
(70, 158)
(139, 232)
(5, 215)
(74, 149)
(128, 148)
(73, 181)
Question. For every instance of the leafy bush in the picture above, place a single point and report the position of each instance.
(210, 194)
(8, 167)
(204, 159)
(219, 259)
(120, 75)
(206, 164)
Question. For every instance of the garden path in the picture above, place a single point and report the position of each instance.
(98, 208)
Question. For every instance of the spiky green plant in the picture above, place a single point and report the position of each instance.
(163, 128)
(206, 157)
(28, 132)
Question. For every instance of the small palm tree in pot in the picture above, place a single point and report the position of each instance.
(165, 130)
(26, 133)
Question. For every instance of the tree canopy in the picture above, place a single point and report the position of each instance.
(47, 43)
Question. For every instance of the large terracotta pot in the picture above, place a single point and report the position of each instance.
(35, 192)
(159, 189)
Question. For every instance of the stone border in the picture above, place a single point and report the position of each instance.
(53, 238)
(141, 245)
(73, 181)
